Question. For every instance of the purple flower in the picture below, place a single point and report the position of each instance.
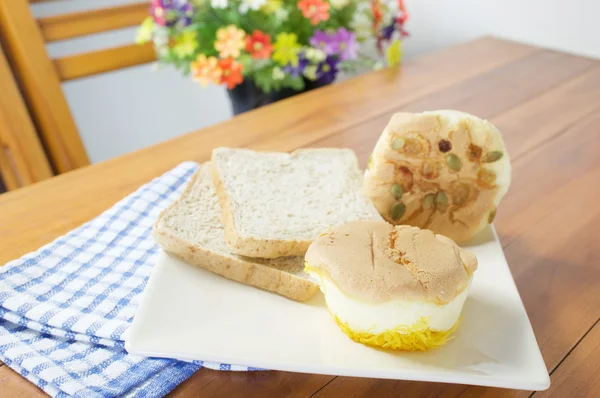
(388, 31)
(172, 12)
(341, 43)
(324, 41)
(296, 71)
(327, 70)
(346, 44)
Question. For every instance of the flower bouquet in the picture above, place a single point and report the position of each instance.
(274, 47)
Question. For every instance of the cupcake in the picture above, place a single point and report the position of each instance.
(444, 170)
(393, 287)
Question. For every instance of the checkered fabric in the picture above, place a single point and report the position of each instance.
(65, 307)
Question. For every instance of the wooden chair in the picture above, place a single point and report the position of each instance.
(22, 157)
(40, 77)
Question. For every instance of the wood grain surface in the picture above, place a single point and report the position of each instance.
(547, 105)
(81, 23)
(25, 48)
(101, 61)
(22, 157)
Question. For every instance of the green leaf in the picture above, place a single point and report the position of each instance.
(296, 83)
(263, 78)
(206, 21)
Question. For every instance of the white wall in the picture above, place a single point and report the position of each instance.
(126, 110)
(129, 109)
(566, 25)
(571, 26)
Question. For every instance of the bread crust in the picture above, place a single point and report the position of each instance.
(248, 246)
(264, 247)
(233, 268)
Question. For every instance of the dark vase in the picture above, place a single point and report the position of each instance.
(247, 96)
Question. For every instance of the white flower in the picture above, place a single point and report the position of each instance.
(144, 32)
(278, 74)
(161, 35)
(392, 7)
(339, 3)
(282, 14)
(311, 72)
(315, 54)
(362, 25)
(251, 5)
(218, 3)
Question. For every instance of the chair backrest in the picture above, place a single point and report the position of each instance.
(40, 77)
(22, 157)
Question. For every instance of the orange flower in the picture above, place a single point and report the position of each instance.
(377, 17)
(230, 40)
(403, 13)
(206, 70)
(316, 10)
(232, 72)
(259, 45)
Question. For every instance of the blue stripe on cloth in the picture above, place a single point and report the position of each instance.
(104, 272)
(45, 329)
(125, 276)
(37, 288)
(140, 377)
(65, 308)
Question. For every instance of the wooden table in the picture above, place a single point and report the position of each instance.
(546, 103)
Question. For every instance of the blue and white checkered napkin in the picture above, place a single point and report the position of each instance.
(64, 308)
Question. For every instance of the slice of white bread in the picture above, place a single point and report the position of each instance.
(191, 229)
(275, 204)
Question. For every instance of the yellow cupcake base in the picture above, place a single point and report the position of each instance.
(417, 337)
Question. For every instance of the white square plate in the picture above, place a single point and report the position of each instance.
(191, 314)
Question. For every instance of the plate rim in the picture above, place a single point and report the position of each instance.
(538, 384)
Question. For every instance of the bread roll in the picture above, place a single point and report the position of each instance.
(443, 170)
